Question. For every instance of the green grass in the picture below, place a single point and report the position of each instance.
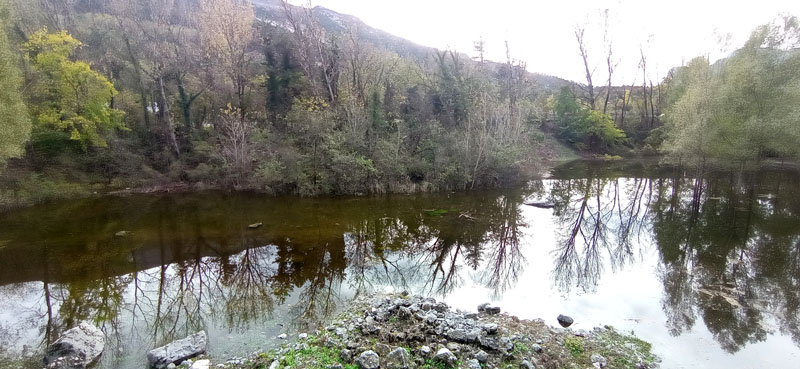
(575, 346)
(314, 357)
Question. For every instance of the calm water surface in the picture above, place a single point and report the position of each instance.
(707, 269)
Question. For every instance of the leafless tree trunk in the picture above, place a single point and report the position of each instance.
(589, 89)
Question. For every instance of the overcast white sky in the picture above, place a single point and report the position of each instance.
(541, 33)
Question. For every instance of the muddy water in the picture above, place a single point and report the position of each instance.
(707, 269)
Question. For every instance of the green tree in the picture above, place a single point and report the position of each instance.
(741, 109)
(15, 127)
(583, 127)
(69, 101)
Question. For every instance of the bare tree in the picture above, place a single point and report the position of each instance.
(589, 88)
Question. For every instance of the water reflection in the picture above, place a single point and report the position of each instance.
(727, 249)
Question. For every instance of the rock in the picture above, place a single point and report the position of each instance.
(453, 347)
(482, 356)
(565, 321)
(446, 357)
(382, 349)
(473, 364)
(492, 309)
(274, 365)
(482, 307)
(201, 364)
(335, 366)
(425, 351)
(255, 225)
(178, 351)
(282, 336)
(341, 332)
(368, 360)
(76, 348)
(399, 358)
(122, 234)
(171, 366)
(489, 343)
(302, 336)
(537, 348)
(599, 361)
(490, 328)
(525, 364)
(345, 355)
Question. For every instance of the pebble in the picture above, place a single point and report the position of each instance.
(201, 364)
(473, 364)
(302, 336)
(282, 336)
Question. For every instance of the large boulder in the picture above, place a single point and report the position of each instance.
(178, 351)
(76, 348)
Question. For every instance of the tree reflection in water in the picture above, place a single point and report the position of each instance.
(728, 251)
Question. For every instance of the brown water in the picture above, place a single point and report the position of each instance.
(708, 270)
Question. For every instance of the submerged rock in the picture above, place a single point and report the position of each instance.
(76, 348)
(565, 321)
(178, 351)
(255, 225)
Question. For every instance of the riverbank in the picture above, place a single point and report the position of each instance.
(397, 331)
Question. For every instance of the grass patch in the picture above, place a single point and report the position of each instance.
(314, 357)
(575, 346)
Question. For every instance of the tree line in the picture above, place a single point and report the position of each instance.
(101, 95)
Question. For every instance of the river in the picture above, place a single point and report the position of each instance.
(707, 269)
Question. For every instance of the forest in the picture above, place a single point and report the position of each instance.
(100, 96)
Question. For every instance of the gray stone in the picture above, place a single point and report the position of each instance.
(178, 351)
(201, 364)
(282, 336)
(492, 309)
(482, 307)
(599, 361)
(565, 321)
(76, 348)
(473, 364)
(345, 355)
(446, 357)
(537, 348)
(489, 343)
(454, 347)
(302, 336)
(482, 356)
(399, 358)
(525, 364)
(341, 332)
(490, 328)
(368, 360)
(382, 349)
(335, 366)
(425, 351)
(171, 366)
(274, 365)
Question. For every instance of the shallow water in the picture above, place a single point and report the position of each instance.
(708, 270)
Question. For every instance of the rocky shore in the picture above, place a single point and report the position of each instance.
(397, 331)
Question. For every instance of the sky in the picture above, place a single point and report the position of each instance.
(669, 32)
